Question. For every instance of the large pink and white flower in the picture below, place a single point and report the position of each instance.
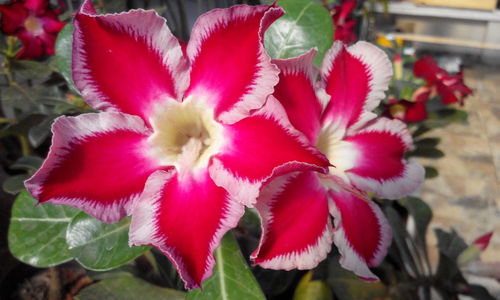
(366, 153)
(184, 140)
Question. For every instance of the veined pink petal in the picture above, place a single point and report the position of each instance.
(256, 151)
(296, 227)
(296, 92)
(379, 165)
(126, 62)
(12, 17)
(97, 162)
(355, 77)
(362, 233)
(185, 217)
(230, 67)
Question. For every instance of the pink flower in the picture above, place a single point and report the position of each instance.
(367, 154)
(34, 23)
(177, 146)
(451, 88)
(406, 111)
(344, 23)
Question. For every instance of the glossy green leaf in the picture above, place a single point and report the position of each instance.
(101, 246)
(37, 232)
(305, 25)
(28, 163)
(127, 287)
(14, 184)
(232, 278)
(63, 54)
(308, 289)
(347, 286)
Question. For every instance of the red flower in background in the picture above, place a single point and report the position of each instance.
(34, 23)
(344, 23)
(451, 88)
(406, 111)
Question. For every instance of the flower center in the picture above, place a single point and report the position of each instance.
(340, 153)
(33, 25)
(185, 135)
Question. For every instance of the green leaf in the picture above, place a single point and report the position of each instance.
(347, 286)
(40, 132)
(422, 214)
(450, 243)
(445, 116)
(127, 288)
(431, 172)
(305, 25)
(308, 289)
(62, 58)
(37, 232)
(232, 279)
(450, 246)
(14, 184)
(31, 69)
(100, 246)
(427, 143)
(427, 152)
(28, 163)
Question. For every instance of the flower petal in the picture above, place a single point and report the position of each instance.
(362, 233)
(32, 46)
(295, 91)
(230, 67)
(13, 17)
(296, 226)
(185, 218)
(126, 62)
(97, 163)
(355, 77)
(378, 163)
(259, 147)
(36, 6)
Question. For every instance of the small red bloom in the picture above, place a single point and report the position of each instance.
(451, 88)
(406, 111)
(344, 23)
(483, 241)
(34, 23)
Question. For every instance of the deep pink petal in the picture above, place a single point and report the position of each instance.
(296, 92)
(126, 62)
(377, 158)
(355, 77)
(259, 147)
(48, 41)
(97, 162)
(32, 46)
(362, 233)
(296, 227)
(51, 24)
(185, 218)
(13, 17)
(230, 68)
(38, 7)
